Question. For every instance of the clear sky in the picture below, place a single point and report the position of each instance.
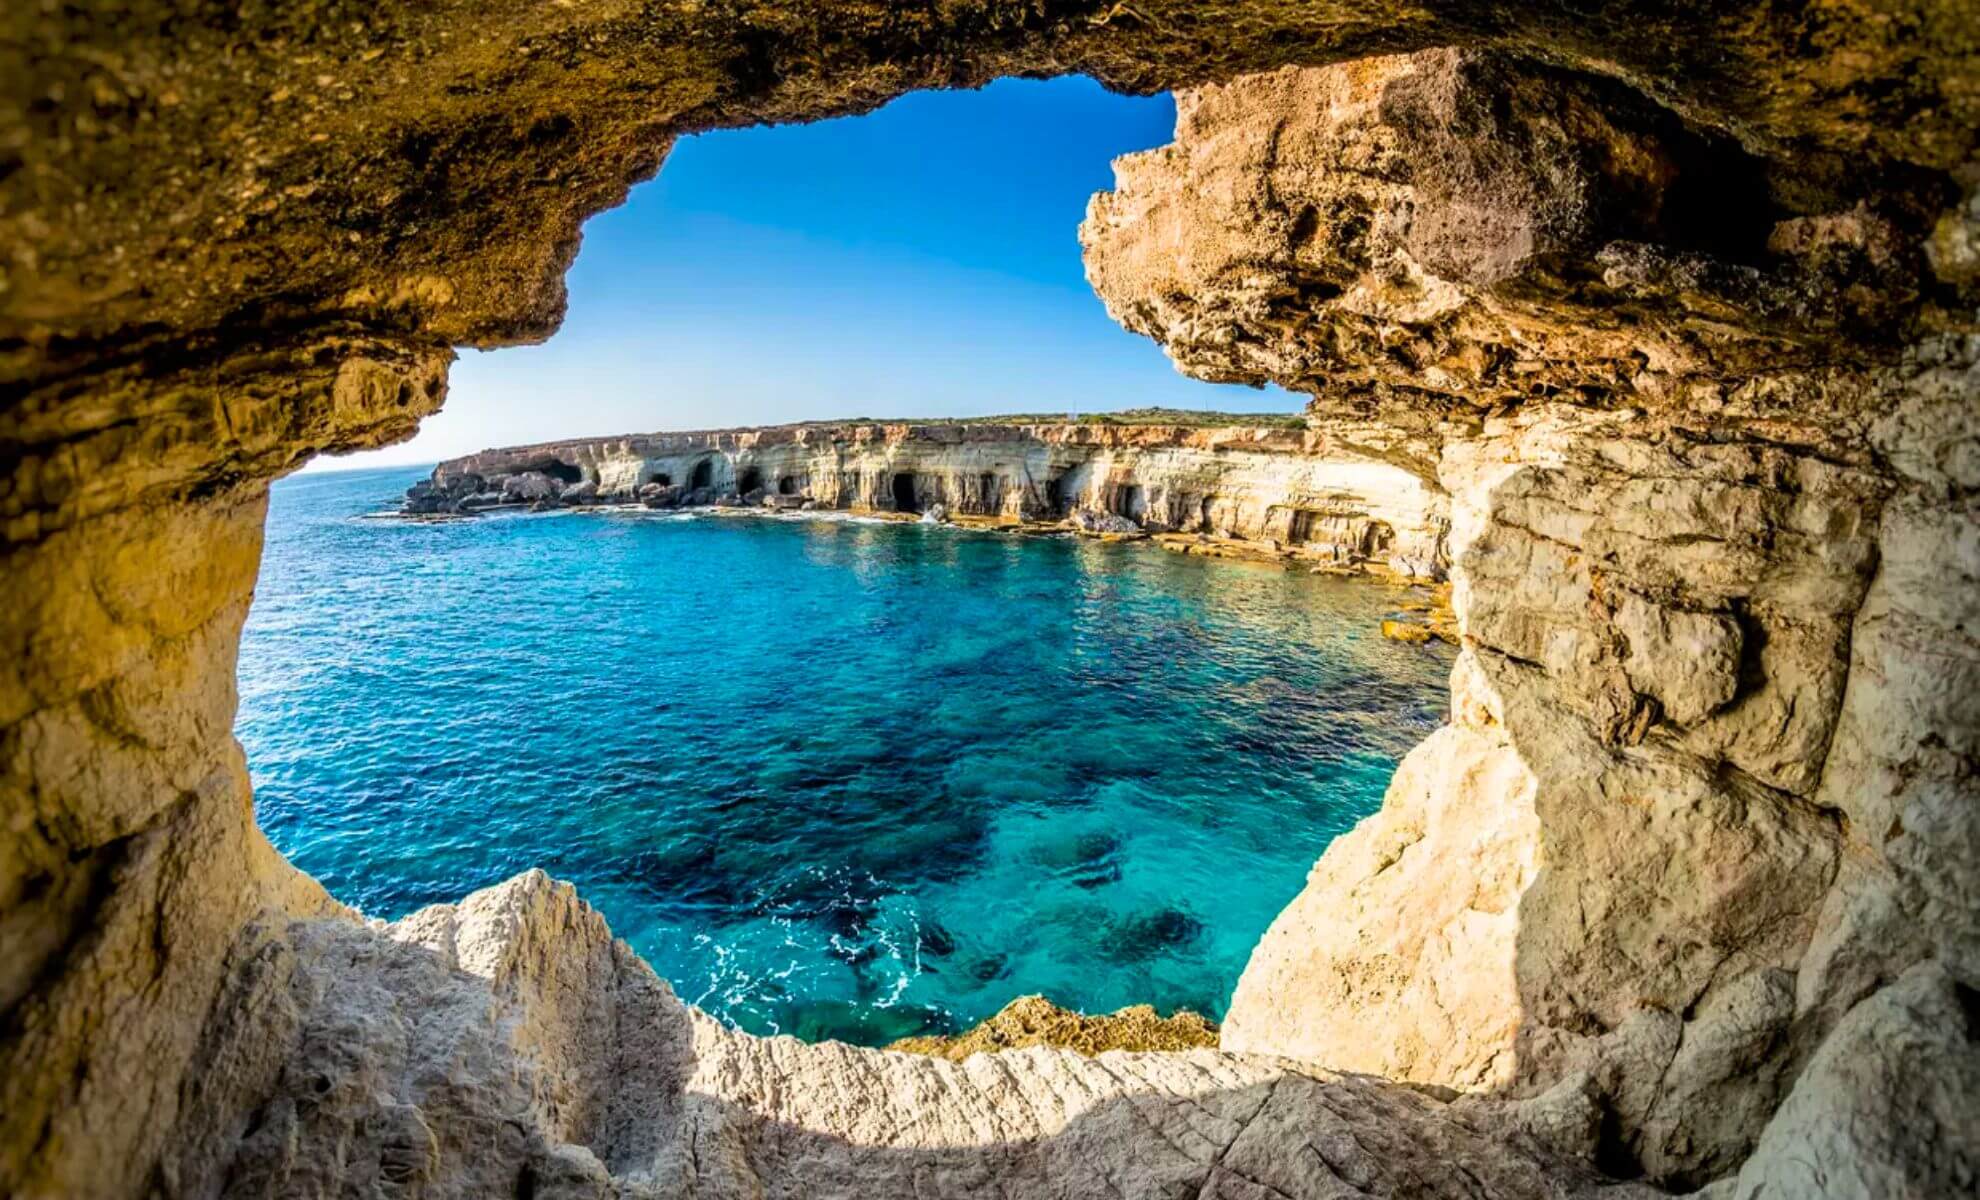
(922, 260)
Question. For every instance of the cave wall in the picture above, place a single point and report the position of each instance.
(235, 239)
(1676, 828)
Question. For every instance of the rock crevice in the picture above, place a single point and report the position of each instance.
(1675, 304)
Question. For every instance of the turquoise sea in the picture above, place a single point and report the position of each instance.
(831, 777)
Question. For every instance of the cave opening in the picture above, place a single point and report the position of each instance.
(707, 464)
(1299, 526)
(1689, 218)
(555, 468)
(1128, 501)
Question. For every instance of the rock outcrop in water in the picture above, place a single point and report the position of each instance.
(1311, 493)
(1676, 302)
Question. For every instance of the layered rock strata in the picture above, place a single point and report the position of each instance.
(1709, 710)
(1676, 301)
(1305, 491)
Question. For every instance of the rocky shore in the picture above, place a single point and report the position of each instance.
(1676, 307)
(1236, 489)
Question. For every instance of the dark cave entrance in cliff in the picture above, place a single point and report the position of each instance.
(787, 485)
(751, 480)
(1128, 501)
(555, 468)
(904, 492)
(703, 474)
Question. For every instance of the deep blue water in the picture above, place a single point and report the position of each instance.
(834, 778)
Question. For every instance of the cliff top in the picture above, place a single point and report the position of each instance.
(1132, 418)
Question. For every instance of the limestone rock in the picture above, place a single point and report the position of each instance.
(1319, 491)
(1687, 662)
(509, 1045)
(1673, 304)
(1396, 959)
(1406, 631)
(1035, 1021)
(1087, 520)
(1889, 1106)
(530, 485)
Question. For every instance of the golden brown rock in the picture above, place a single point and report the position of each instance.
(1673, 299)
(1405, 631)
(1036, 1021)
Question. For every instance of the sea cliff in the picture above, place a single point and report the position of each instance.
(1676, 301)
(1279, 488)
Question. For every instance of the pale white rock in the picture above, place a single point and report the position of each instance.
(1397, 958)
(1888, 1107)
(1688, 662)
(509, 1046)
(1338, 492)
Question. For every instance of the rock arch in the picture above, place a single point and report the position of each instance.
(217, 274)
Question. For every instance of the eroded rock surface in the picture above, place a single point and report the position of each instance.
(1313, 493)
(509, 1045)
(1659, 851)
(1675, 301)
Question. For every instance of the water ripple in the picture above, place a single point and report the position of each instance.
(836, 778)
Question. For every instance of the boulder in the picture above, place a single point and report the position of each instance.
(579, 493)
(935, 514)
(785, 502)
(1088, 520)
(530, 485)
(1406, 631)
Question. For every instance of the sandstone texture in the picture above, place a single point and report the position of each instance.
(1669, 307)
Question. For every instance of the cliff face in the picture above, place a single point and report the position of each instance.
(1308, 492)
(1674, 301)
(1706, 798)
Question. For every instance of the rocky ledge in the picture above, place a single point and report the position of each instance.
(1281, 489)
(1676, 305)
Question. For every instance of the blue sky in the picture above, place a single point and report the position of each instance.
(922, 260)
